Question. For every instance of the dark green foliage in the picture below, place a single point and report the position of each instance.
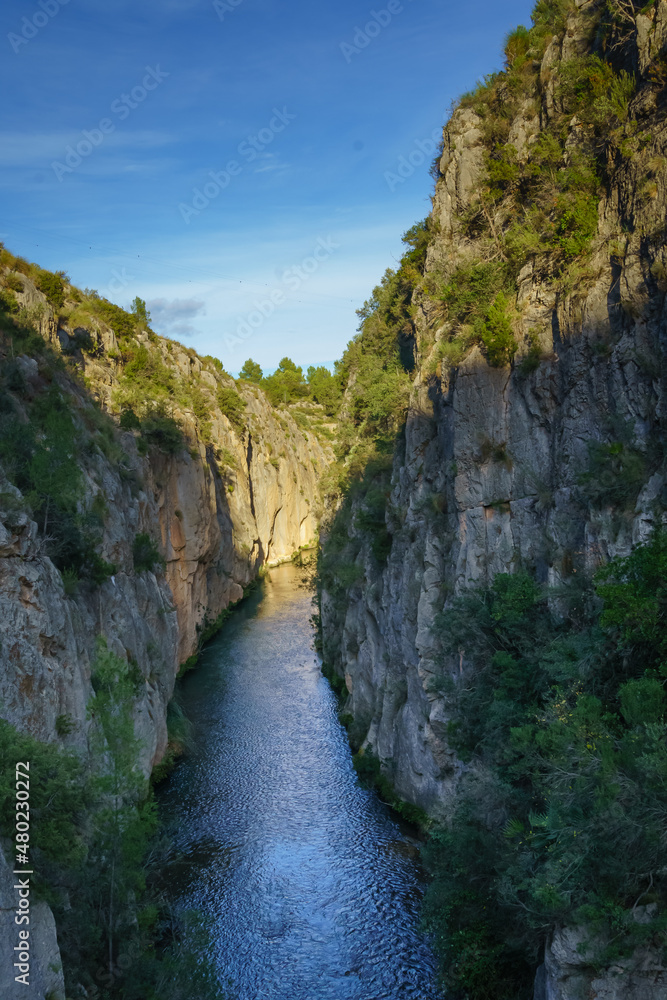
(634, 591)
(40, 455)
(122, 323)
(162, 431)
(251, 372)
(370, 519)
(497, 334)
(13, 282)
(615, 475)
(58, 801)
(561, 719)
(232, 405)
(102, 821)
(286, 384)
(138, 309)
(53, 286)
(325, 389)
(64, 725)
(8, 302)
(129, 421)
(145, 554)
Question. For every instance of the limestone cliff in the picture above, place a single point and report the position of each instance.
(218, 509)
(487, 474)
(230, 497)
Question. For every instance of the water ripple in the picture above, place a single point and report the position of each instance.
(311, 888)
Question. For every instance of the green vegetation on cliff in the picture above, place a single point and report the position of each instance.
(561, 719)
(375, 370)
(97, 852)
(41, 440)
(559, 713)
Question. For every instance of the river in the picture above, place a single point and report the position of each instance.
(310, 886)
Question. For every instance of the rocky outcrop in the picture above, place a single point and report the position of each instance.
(44, 967)
(568, 974)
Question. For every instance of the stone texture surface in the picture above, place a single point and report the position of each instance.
(46, 980)
(567, 973)
(490, 473)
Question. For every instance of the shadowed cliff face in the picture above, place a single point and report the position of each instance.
(497, 465)
(551, 459)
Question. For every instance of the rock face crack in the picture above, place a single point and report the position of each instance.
(273, 529)
(249, 462)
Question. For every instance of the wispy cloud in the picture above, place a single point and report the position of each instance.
(22, 149)
(172, 317)
(270, 162)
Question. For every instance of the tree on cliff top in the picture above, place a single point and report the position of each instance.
(251, 372)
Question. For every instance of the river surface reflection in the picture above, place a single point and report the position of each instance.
(310, 886)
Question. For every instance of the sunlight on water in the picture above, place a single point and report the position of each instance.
(311, 888)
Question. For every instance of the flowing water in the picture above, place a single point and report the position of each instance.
(310, 886)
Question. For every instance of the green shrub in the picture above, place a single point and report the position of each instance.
(145, 375)
(129, 421)
(162, 431)
(517, 44)
(8, 302)
(214, 363)
(146, 555)
(503, 171)
(286, 384)
(616, 473)
(64, 725)
(324, 388)
(70, 578)
(53, 286)
(123, 323)
(138, 309)
(472, 289)
(13, 282)
(497, 333)
(561, 719)
(232, 405)
(643, 701)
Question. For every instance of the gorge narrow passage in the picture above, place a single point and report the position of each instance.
(310, 887)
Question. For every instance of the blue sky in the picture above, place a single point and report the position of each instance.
(228, 160)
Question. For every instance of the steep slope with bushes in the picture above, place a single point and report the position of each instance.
(502, 442)
(141, 490)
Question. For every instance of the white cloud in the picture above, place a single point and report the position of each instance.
(172, 317)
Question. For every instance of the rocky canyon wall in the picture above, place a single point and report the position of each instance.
(494, 470)
(235, 496)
